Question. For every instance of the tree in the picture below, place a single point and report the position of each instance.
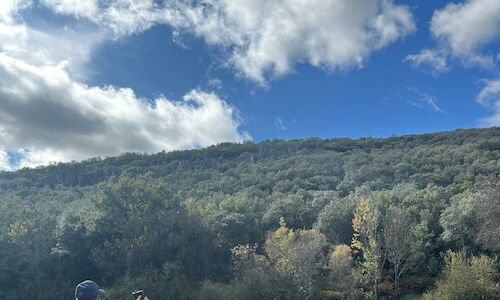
(141, 226)
(398, 241)
(458, 221)
(426, 206)
(341, 265)
(487, 214)
(335, 220)
(472, 217)
(466, 278)
(255, 276)
(296, 208)
(366, 241)
(297, 255)
(136, 223)
(70, 221)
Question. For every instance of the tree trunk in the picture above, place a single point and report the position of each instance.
(396, 279)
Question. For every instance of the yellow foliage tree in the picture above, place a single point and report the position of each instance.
(366, 242)
(341, 267)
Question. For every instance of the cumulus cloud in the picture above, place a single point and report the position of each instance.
(266, 38)
(52, 44)
(47, 114)
(462, 31)
(56, 118)
(272, 36)
(489, 97)
(466, 27)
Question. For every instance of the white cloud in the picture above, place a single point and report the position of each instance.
(467, 32)
(9, 8)
(4, 161)
(79, 8)
(264, 37)
(280, 125)
(436, 59)
(462, 31)
(47, 115)
(269, 37)
(215, 83)
(431, 101)
(466, 27)
(424, 99)
(54, 44)
(494, 119)
(490, 92)
(56, 118)
(489, 97)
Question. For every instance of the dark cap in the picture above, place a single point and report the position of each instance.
(88, 290)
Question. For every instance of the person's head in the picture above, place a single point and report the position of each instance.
(88, 290)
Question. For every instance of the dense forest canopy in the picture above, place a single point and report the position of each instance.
(297, 219)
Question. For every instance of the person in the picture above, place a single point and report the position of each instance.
(89, 290)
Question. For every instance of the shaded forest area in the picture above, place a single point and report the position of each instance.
(300, 219)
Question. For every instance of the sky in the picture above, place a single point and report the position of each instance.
(89, 78)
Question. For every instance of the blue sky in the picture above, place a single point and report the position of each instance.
(110, 77)
(376, 100)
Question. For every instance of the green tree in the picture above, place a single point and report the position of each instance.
(471, 219)
(425, 207)
(140, 226)
(335, 220)
(466, 278)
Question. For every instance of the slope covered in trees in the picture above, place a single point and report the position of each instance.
(298, 219)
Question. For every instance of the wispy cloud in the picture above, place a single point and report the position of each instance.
(437, 60)
(489, 97)
(280, 125)
(4, 161)
(420, 99)
(462, 31)
(215, 83)
(490, 93)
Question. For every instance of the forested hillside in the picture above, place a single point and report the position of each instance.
(298, 219)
